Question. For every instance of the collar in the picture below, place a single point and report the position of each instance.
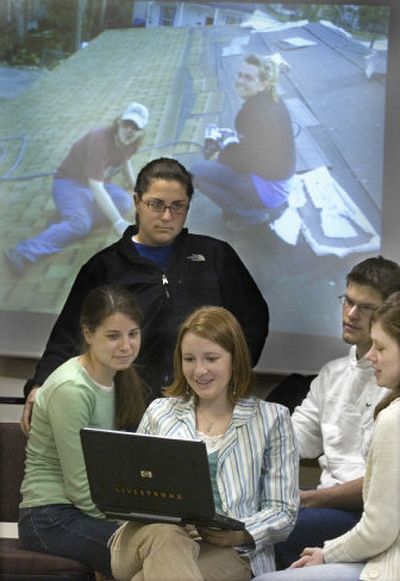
(362, 363)
(243, 411)
(127, 248)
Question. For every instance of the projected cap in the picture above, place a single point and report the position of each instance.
(137, 113)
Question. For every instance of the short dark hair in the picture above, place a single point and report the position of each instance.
(163, 168)
(378, 272)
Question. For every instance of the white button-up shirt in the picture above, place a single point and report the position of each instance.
(334, 423)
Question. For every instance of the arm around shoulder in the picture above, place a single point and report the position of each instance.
(65, 337)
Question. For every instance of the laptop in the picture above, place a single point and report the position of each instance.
(151, 478)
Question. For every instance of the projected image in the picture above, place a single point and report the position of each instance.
(277, 110)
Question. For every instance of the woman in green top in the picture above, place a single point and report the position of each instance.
(101, 389)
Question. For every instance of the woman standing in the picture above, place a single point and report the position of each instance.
(98, 389)
(371, 550)
(252, 457)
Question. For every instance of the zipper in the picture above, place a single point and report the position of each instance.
(165, 285)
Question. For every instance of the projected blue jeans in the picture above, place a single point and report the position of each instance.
(235, 192)
(313, 527)
(63, 530)
(78, 213)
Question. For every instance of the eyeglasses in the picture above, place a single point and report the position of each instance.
(362, 308)
(245, 76)
(159, 206)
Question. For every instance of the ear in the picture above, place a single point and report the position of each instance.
(87, 334)
(136, 200)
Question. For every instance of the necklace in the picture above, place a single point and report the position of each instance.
(213, 426)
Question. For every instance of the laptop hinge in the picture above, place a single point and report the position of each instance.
(139, 516)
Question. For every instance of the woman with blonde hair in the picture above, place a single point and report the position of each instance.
(252, 458)
(371, 549)
(251, 170)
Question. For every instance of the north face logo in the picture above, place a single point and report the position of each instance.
(196, 258)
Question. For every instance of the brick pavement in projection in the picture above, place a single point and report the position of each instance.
(87, 90)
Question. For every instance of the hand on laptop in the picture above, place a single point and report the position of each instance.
(224, 538)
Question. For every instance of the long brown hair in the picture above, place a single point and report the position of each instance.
(218, 325)
(388, 315)
(130, 390)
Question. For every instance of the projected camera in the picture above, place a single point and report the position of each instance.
(216, 139)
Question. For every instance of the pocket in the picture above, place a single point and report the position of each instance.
(23, 515)
(28, 534)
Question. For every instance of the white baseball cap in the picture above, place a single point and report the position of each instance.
(137, 113)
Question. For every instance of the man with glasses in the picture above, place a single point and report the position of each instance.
(170, 272)
(83, 192)
(334, 422)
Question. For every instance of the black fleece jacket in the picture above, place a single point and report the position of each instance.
(202, 271)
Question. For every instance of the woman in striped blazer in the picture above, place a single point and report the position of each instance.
(252, 456)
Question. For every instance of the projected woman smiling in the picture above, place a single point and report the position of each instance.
(251, 178)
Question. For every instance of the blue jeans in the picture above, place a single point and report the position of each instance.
(313, 527)
(78, 213)
(331, 572)
(63, 530)
(232, 191)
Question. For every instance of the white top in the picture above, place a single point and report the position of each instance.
(376, 537)
(334, 423)
(213, 443)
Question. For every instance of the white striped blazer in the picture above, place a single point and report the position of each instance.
(257, 470)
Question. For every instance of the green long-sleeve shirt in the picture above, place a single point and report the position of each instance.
(55, 472)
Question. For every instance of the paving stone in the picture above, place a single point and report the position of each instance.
(90, 89)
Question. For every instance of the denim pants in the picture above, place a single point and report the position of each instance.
(78, 213)
(330, 572)
(234, 192)
(63, 530)
(313, 527)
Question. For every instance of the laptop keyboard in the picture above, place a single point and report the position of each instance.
(221, 521)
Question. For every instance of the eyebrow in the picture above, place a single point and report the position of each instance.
(365, 304)
(207, 353)
(119, 330)
(181, 201)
